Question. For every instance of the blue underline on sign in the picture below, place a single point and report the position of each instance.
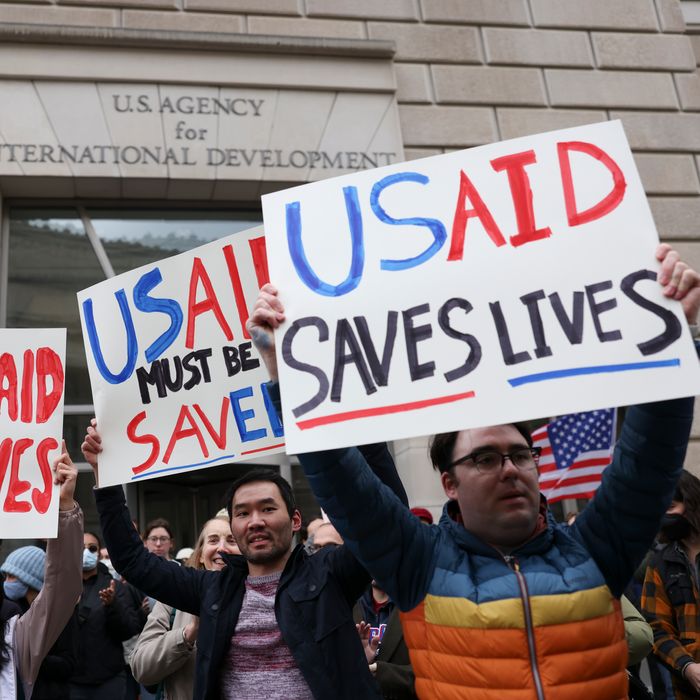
(182, 466)
(596, 369)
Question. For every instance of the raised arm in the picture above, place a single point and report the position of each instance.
(375, 524)
(381, 462)
(618, 526)
(390, 542)
(620, 523)
(179, 586)
(353, 578)
(38, 629)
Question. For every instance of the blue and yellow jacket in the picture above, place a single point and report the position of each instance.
(542, 622)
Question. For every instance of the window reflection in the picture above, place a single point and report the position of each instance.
(140, 238)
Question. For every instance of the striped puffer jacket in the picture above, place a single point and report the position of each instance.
(539, 623)
(543, 622)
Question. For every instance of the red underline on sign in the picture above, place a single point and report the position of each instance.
(382, 410)
(263, 449)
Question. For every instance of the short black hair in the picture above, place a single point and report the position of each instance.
(262, 474)
(442, 446)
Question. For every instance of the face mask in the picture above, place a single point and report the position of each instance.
(89, 560)
(14, 590)
(675, 527)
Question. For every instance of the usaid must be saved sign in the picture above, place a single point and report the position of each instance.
(176, 381)
(502, 283)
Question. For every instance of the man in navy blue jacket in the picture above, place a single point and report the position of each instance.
(301, 605)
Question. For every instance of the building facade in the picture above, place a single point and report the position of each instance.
(135, 129)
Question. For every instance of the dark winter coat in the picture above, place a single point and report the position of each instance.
(102, 629)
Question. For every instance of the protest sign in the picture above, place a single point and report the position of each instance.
(31, 424)
(502, 283)
(176, 381)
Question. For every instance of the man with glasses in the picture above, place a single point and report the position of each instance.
(501, 600)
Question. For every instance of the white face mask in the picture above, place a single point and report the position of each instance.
(89, 560)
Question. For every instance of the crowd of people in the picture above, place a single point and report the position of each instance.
(495, 600)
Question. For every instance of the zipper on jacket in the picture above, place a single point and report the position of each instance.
(512, 562)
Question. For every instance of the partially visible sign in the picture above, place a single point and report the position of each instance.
(176, 381)
(82, 129)
(31, 423)
(498, 284)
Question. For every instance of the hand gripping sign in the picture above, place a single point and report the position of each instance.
(485, 286)
(176, 381)
(31, 425)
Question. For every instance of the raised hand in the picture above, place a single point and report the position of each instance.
(369, 645)
(190, 631)
(679, 281)
(268, 314)
(66, 474)
(107, 595)
(92, 446)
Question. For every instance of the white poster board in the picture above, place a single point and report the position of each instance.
(501, 283)
(32, 380)
(176, 381)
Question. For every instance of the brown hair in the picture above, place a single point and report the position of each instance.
(157, 522)
(442, 446)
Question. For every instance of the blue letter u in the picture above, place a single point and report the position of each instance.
(132, 347)
(435, 226)
(149, 304)
(301, 264)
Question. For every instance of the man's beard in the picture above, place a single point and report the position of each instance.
(278, 550)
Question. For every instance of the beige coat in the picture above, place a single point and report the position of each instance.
(161, 654)
(37, 630)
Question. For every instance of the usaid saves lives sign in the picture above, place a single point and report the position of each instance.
(497, 284)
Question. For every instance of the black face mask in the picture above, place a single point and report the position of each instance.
(675, 527)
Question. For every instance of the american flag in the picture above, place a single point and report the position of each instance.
(575, 450)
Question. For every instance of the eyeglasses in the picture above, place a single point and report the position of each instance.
(157, 540)
(488, 461)
(92, 548)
